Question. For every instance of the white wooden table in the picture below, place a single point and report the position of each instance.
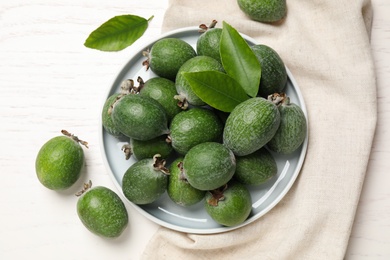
(49, 81)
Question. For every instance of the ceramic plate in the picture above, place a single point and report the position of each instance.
(194, 219)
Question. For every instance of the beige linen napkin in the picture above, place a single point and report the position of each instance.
(326, 46)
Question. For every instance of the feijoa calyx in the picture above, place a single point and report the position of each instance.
(293, 126)
(59, 162)
(209, 165)
(251, 125)
(229, 205)
(139, 117)
(179, 190)
(102, 212)
(194, 126)
(146, 180)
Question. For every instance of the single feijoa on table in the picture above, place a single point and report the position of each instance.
(183, 88)
(60, 160)
(146, 180)
(139, 117)
(102, 211)
(255, 168)
(167, 55)
(179, 190)
(194, 126)
(147, 149)
(229, 205)
(251, 125)
(209, 165)
(293, 126)
(267, 11)
(273, 71)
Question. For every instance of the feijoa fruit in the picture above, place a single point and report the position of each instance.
(209, 165)
(59, 162)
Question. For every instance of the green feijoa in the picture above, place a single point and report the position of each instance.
(255, 168)
(102, 212)
(251, 125)
(59, 162)
(164, 91)
(194, 126)
(145, 181)
(209, 165)
(147, 149)
(273, 71)
(293, 127)
(179, 190)
(126, 87)
(139, 117)
(183, 88)
(107, 122)
(208, 43)
(267, 11)
(229, 205)
(167, 55)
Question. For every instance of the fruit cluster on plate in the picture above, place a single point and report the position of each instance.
(203, 128)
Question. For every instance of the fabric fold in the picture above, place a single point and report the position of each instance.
(326, 46)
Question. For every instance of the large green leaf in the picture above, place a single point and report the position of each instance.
(239, 60)
(217, 89)
(117, 33)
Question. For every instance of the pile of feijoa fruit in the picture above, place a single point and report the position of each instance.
(207, 125)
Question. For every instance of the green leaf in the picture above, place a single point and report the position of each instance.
(117, 33)
(239, 60)
(217, 89)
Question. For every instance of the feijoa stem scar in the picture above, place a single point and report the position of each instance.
(75, 138)
(217, 195)
(86, 187)
(203, 27)
(159, 164)
(278, 98)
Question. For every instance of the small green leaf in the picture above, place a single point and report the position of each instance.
(117, 33)
(217, 89)
(239, 60)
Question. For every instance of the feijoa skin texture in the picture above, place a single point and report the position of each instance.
(107, 122)
(198, 63)
(139, 117)
(167, 55)
(164, 91)
(255, 168)
(59, 163)
(179, 190)
(194, 126)
(143, 183)
(147, 149)
(273, 71)
(292, 130)
(208, 43)
(229, 206)
(209, 165)
(251, 125)
(267, 11)
(102, 212)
